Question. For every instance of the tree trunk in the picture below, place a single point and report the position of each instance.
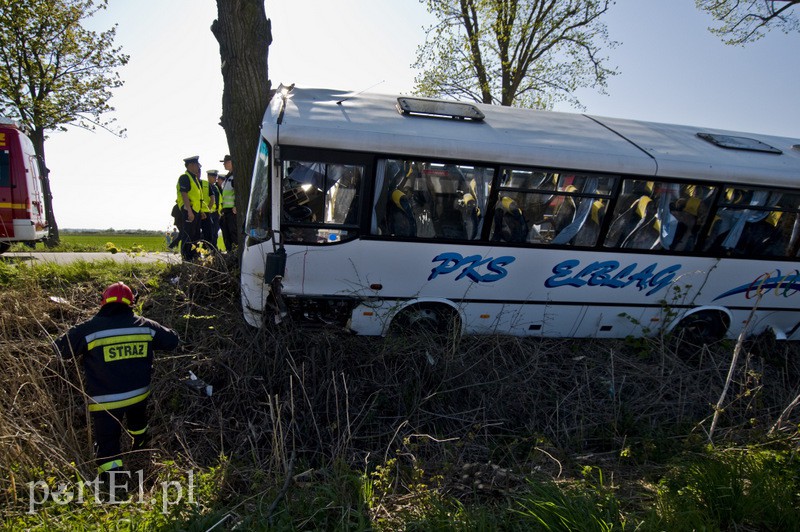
(244, 34)
(37, 137)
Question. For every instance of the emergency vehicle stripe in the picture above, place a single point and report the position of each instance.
(102, 468)
(118, 400)
(13, 206)
(120, 332)
(120, 339)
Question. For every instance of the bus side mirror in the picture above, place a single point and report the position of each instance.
(276, 265)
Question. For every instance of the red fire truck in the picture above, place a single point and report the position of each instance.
(22, 216)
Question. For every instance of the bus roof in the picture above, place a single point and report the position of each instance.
(345, 120)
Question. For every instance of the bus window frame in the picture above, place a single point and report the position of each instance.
(611, 197)
(720, 202)
(377, 183)
(336, 157)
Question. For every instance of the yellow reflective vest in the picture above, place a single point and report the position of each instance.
(206, 195)
(194, 193)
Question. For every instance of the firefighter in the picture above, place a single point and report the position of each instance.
(117, 348)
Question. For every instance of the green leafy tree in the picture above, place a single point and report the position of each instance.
(745, 21)
(244, 34)
(55, 73)
(527, 53)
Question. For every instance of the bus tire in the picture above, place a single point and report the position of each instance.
(703, 327)
(426, 319)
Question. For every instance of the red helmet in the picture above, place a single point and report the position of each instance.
(118, 293)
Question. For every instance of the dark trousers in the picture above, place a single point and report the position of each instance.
(230, 233)
(209, 228)
(108, 431)
(190, 235)
(177, 217)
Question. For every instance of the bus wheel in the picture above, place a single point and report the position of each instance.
(4, 246)
(704, 327)
(426, 319)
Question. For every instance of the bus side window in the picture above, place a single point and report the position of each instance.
(775, 235)
(430, 200)
(659, 215)
(745, 223)
(553, 208)
(320, 201)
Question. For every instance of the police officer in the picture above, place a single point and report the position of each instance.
(230, 233)
(211, 196)
(117, 349)
(190, 200)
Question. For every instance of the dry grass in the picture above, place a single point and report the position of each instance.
(300, 400)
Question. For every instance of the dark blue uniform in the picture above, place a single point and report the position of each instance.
(117, 348)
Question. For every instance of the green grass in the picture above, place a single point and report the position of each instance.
(344, 441)
(124, 242)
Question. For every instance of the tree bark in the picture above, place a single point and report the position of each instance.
(37, 138)
(244, 34)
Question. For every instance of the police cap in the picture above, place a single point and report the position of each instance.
(194, 159)
(212, 172)
(226, 159)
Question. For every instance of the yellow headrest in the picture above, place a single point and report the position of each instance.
(571, 188)
(773, 218)
(397, 195)
(508, 204)
(596, 206)
(692, 206)
(641, 206)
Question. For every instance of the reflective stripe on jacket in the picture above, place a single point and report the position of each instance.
(228, 194)
(117, 348)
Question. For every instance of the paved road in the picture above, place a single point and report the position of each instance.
(66, 258)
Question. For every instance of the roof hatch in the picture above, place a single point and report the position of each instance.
(437, 108)
(738, 143)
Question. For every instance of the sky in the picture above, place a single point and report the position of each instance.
(671, 69)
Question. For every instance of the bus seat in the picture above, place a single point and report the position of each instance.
(400, 219)
(762, 237)
(780, 242)
(449, 188)
(509, 223)
(645, 232)
(624, 223)
(565, 211)
(687, 212)
(588, 234)
(470, 215)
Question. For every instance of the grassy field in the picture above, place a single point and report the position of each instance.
(322, 430)
(114, 241)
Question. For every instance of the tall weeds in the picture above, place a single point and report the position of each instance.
(291, 403)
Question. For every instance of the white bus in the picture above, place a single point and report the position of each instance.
(372, 211)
